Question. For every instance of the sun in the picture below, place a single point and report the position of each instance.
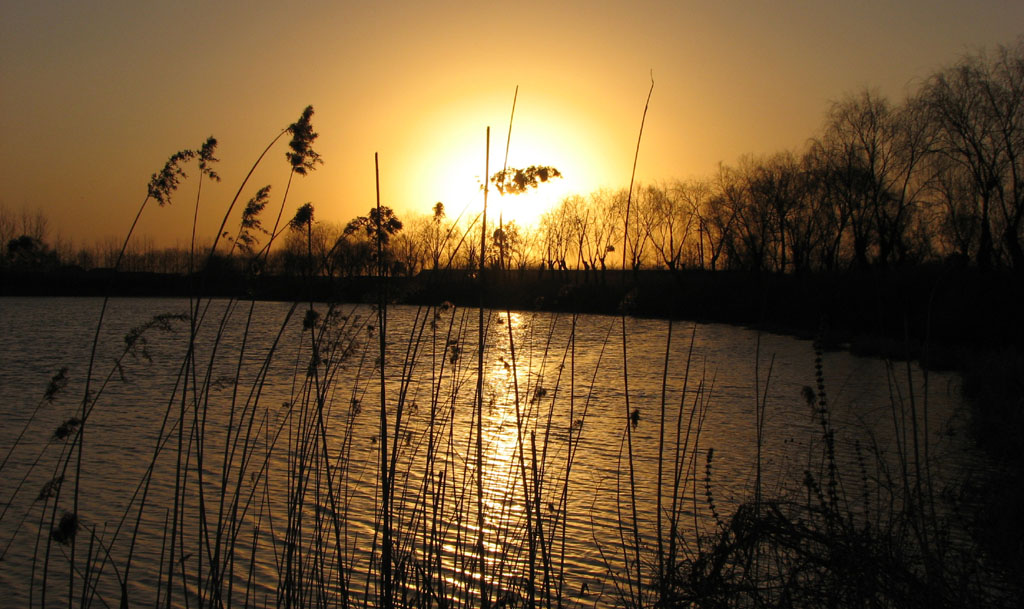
(454, 171)
(526, 208)
(457, 178)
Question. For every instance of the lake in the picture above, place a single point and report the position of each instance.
(244, 467)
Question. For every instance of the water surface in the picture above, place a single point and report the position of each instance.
(266, 445)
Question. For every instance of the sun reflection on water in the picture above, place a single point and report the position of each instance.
(504, 508)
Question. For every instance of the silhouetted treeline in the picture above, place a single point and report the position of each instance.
(936, 176)
(939, 175)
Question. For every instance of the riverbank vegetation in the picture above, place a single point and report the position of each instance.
(918, 199)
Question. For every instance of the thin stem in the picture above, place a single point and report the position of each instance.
(481, 340)
(386, 583)
(625, 373)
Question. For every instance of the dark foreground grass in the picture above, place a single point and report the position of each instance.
(267, 501)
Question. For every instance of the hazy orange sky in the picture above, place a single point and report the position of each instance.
(94, 96)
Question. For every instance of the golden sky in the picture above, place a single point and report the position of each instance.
(94, 96)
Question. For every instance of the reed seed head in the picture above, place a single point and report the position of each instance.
(66, 428)
(50, 488)
(303, 217)
(66, 529)
(163, 183)
(310, 320)
(57, 382)
(303, 158)
(206, 158)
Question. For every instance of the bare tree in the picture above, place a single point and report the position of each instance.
(511, 245)
(408, 254)
(7, 225)
(1004, 93)
(555, 237)
(603, 229)
(977, 107)
(34, 224)
(433, 232)
(636, 238)
(667, 216)
(576, 214)
(846, 176)
(717, 217)
(952, 190)
(755, 221)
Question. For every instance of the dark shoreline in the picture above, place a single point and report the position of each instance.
(927, 313)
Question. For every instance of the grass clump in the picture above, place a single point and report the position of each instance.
(840, 540)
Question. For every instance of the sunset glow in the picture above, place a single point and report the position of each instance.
(97, 97)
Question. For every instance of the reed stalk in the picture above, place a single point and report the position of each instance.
(633, 574)
(481, 342)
